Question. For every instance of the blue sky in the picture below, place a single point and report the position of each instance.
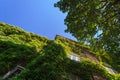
(38, 16)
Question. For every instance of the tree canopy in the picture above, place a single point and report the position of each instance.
(96, 22)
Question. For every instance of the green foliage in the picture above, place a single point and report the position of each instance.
(44, 59)
(19, 36)
(69, 45)
(12, 54)
(53, 64)
(104, 58)
(117, 77)
(47, 66)
(86, 68)
(9, 29)
(96, 23)
(18, 47)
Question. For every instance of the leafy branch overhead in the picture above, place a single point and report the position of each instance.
(96, 22)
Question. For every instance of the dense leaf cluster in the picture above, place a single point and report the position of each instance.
(96, 22)
(18, 47)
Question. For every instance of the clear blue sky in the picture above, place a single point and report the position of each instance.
(38, 16)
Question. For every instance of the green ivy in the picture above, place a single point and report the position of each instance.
(45, 59)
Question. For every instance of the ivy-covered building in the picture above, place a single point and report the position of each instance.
(44, 59)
